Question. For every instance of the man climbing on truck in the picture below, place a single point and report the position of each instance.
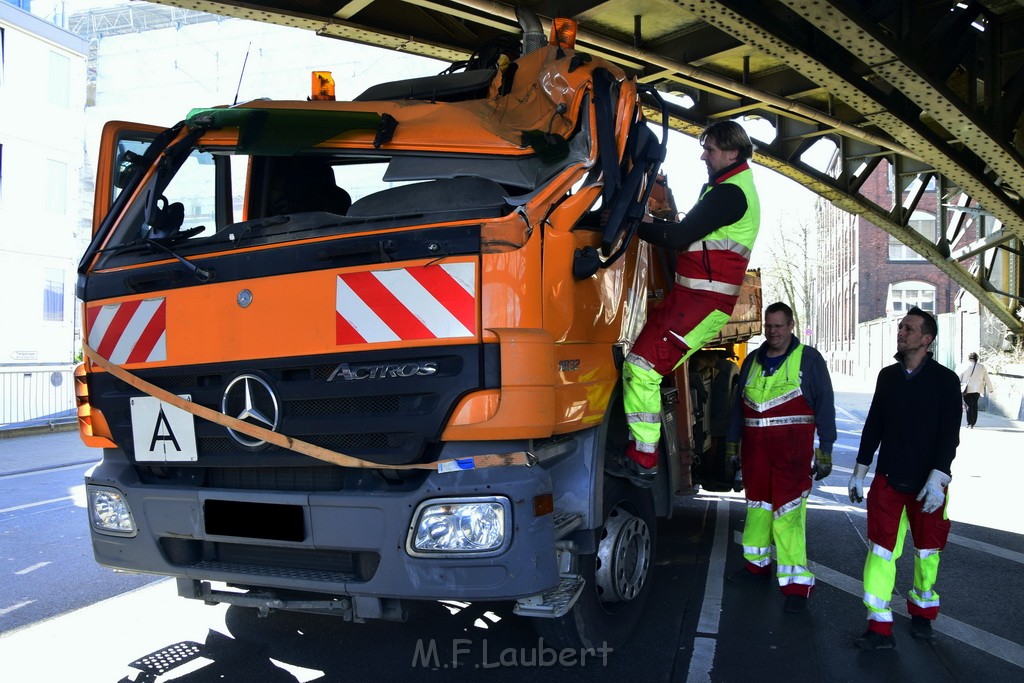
(714, 241)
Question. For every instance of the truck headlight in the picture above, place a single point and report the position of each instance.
(109, 512)
(460, 526)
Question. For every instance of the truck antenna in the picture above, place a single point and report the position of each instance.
(244, 62)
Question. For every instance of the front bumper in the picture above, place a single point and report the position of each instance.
(338, 543)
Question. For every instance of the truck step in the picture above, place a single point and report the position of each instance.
(566, 522)
(554, 603)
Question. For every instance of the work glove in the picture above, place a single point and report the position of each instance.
(822, 464)
(856, 484)
(933, 494)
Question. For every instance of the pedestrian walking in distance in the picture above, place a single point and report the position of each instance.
(973, 379)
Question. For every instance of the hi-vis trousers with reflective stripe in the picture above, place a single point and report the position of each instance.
(776, 482)
(890, 514)
(680, 326)
(786, 526)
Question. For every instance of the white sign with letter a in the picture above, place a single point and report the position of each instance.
(161, 432)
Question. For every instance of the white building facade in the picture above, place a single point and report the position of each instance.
(42, 116)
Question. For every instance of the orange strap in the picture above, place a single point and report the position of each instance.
(306, 448)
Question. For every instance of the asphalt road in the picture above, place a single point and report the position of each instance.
(698, 627)
(46, 562)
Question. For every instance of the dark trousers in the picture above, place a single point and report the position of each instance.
(972, 407)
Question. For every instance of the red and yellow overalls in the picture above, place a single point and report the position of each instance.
(778, 446)
(708, 278)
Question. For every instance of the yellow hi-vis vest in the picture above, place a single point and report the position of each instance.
(718, 262)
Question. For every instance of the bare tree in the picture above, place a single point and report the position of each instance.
(787, 275)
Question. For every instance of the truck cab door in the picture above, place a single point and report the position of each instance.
(122, 145)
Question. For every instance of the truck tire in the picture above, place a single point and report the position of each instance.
(618, 576)
(723, 394)
(717, 472)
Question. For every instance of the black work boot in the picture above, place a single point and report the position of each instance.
(873, 640)
(921, 628)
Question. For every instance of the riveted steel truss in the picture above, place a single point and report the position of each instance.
(933, 87)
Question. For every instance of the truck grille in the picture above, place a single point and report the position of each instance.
(389, 419)
(276, 478)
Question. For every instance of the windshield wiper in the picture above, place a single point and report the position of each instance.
(199, 273)
(257, 224)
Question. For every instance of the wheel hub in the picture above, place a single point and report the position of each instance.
(624, 556)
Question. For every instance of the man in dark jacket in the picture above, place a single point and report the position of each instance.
(914, 422)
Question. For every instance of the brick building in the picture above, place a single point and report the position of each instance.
(863, 274)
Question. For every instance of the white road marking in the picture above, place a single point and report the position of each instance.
(37, 504)
(1005, 649)
(8, 610)
(711, 608)
(26, 570)
(703, 659)
(1004, 553)
(849, 416)
(47, 470)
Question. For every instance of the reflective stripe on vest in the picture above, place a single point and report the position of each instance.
(773, 421)
(721, 245)
(743, 231)
(708, 285)
(718, 262)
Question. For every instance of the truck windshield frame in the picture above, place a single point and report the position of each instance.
(214, 197)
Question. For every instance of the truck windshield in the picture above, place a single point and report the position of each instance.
(217, 200)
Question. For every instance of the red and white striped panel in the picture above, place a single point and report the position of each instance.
(129, 332)
(404, 304)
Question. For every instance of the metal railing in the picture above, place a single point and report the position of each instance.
(37, 394)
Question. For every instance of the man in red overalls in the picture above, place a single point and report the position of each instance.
(785, 395)
(714, 241)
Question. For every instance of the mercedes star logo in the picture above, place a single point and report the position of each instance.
(250, 399)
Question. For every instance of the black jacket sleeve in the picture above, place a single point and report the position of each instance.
(871, 434)
(734, 432)
(948, 422)
(722, 205)
(817, 390)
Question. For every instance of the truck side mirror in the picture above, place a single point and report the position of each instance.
(127, 164)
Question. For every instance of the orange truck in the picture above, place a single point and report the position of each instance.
(345, 355)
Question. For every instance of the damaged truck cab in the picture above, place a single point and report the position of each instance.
(409, 313)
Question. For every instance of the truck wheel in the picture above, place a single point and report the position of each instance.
(723, 394)
(618, 575)
(717, 473)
